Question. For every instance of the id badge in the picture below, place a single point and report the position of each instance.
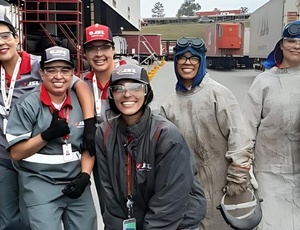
(129, 224)
(67, 151)
(4, 125)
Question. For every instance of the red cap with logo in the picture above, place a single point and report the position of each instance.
(98, 32)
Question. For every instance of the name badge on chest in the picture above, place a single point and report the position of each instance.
(67, 151)
(129, 224)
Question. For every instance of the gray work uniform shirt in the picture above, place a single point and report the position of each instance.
(42, 179)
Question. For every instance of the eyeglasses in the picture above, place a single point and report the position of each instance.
(64, 71)
(291, 43)
(95, 49)
(195, 43)
(132, 88)
(6, 36)
(183, 59)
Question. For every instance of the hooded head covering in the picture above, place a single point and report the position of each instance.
(291, 30)
(197, 50)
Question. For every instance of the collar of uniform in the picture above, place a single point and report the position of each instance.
(138, 128)
(45, 98)
(205, 81)
(288, 71)
(104, 88)
(25, 66)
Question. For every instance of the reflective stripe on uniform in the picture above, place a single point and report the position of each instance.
(11, 137)
(52, 159)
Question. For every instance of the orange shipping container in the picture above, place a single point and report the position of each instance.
(225, 39)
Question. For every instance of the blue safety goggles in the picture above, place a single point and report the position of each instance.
(196, 43)
(291, 30)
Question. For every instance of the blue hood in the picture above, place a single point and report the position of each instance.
(200, 73)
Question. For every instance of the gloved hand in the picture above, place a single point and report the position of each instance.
(76, 187)
(237, 179)
(89, 131)
(57, 128)
(233, 188)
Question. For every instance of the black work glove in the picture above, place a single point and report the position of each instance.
(233, 188)
(89, 132)
(76, 187)
(57, 128)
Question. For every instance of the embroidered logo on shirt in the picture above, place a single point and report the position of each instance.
(143, 167)
(79, 124)
(31, 83)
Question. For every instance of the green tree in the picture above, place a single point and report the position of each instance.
(158, 10)
(244, 10)
(188, 8)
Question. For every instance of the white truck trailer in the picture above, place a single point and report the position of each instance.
(266, 24)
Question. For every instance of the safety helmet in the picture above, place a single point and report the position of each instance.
(130, 72)
(247, 221)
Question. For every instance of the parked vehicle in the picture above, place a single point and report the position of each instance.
(168, 49)
(225, 46)
(266, 25)
(120, 45)
(145, 48)
(205, 20)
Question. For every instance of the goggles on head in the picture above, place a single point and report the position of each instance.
(197, 43)
(291, 30)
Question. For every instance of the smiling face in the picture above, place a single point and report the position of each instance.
(99, 55)
(291, 53)
(129, 97)
(8, 44)
(57, 76)
(187, 68)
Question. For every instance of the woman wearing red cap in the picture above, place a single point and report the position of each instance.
(272, 115)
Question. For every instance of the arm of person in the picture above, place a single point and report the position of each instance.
(240, 145)
(86, 101)
(84, 96)
(232, 126)
(20, 127)
(77, 186)
(87, 162)
(252, 112)
(26, 148)
(112, 213)
(174, 179)
(19, 133)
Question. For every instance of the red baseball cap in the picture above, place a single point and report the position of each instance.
(98, 32)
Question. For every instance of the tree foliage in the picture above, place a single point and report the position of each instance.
(188, 8)
(244, 10)
(158, 10)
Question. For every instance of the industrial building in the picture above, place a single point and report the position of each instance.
(43, 23)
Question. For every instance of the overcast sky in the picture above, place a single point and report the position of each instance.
(171, 6)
